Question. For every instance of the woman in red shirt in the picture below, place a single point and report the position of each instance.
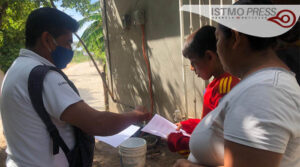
(200, 49)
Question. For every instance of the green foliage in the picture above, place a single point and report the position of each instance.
(82, 6)
(13, 15)
(79, 57)
(12, 27)
(93, 35)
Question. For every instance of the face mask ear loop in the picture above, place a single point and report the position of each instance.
(54, 41)
(49, 49)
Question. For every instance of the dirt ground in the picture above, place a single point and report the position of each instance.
(88, 82)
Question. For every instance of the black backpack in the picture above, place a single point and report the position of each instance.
(82, 153)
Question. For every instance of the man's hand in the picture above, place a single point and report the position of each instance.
(185, 163)
(141, 113)
(179, 126)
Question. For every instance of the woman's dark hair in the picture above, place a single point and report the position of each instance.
(290, 56)
(47, 19)
(200, 41)
(256, 43)
(292, 35)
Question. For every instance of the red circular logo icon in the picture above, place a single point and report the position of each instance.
(284, 18)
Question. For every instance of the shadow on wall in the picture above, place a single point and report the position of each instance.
(128, 67)
(166, 102)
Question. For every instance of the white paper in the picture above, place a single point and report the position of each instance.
(119, 138)
(159, 126)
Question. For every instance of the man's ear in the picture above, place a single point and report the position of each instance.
(47, 42)
(236, 39)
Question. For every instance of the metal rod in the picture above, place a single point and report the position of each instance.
(181, 19)
(95, 64)
(200, 16)
(210, 20)
(108, 55)
(191, 17)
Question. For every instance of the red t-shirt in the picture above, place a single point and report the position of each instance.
(214, 91)
(217, 89)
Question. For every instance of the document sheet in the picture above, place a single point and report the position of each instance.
(117, 139)
(159, 126)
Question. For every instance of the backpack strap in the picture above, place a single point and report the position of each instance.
(35, 89)
(71, 84)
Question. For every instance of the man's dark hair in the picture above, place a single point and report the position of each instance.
(48, 20)
(200, 41)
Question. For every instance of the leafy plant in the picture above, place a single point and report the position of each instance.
(93, 35)
(13, 15)
(12, 28)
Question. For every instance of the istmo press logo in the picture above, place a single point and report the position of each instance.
(255, 20)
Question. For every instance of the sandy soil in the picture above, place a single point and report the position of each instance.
(89, 84)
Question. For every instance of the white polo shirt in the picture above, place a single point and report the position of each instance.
(28, 142)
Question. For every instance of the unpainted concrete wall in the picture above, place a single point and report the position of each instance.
(127, 73)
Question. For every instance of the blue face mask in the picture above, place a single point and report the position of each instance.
(61, 56)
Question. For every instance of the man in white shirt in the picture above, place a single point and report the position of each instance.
(48, 42)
